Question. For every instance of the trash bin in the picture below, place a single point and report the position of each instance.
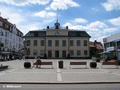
(60, 64)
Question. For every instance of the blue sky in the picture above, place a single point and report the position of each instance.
(99, 18)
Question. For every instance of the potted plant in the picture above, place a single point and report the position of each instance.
(93, 64)
(68, 56)
(27, 64)
(45, 56)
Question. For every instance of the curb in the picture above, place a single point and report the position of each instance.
(59, 82)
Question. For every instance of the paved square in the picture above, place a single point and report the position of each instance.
(17, 73)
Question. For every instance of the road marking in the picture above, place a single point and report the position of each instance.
(59, 76)
(2, 73)
(104, 70)
(12, 70)
(110, 72)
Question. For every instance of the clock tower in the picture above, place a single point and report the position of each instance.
(57, 25)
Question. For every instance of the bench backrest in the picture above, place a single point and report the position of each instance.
(43, 63)
(110, 63)
(78, 63)
(46, 63)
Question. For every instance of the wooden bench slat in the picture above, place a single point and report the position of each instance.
(78, 63)
(42, 63)
(110, 63)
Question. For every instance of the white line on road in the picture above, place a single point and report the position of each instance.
(12, 70)
(2, 73)
(59, 76)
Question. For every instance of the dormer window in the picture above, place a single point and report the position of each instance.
(78, 33)
(35, 33)
(1, 23)
(6, 26)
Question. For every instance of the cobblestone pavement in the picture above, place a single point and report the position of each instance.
(69, 74)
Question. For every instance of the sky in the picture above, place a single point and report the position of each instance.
(99, 18)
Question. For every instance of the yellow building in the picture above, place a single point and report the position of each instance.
(57, 43)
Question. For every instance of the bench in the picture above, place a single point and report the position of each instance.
(43, 63)
(110, 63)
(78, 63)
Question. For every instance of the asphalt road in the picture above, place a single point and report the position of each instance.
(60, 87)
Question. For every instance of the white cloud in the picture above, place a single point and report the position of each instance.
(64, 4)
(94, 9)
(44, 14)
(111, 5)
(109, 30)
(97, 24)
(25, 2)
(12, 15)
(47, 8)
(80, 20)
(94, 29)
(115, 21)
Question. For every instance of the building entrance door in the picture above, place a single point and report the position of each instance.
(64, 54)
(56, 54)
(118, 56)
(49, 53)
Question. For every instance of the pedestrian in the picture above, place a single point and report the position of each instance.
(106, 57)
(38, 61)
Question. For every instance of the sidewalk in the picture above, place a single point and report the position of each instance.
(16, 73)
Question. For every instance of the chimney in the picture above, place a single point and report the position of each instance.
(47, 27)
(66, 27)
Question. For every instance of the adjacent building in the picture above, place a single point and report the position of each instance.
(95, 48)
(112, 46)
(11, 39)
(57, 42)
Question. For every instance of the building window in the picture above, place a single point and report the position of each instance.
(42, 52)
(112, 44)
(56, 42)
(1, 23)
(63, 42)
(85, 42)
(16, 45)
(13, 40)
(6, 42)
(34, 52)
(35, 42)
(78, 52)
(42, 42)
(0, 40)
(5, 34)
(71, 52)
(28, 52)
(71, 42)
(10, 36)
(85, 52)
(49, 42)
(118, 43)
(28, 42)
(78, 42)
(6, 26)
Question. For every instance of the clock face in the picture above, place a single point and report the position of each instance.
(57, 33)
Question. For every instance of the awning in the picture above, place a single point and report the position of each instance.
(116, 40)
(104, 52)
(5, 53)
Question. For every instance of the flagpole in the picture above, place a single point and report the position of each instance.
(57, 14)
